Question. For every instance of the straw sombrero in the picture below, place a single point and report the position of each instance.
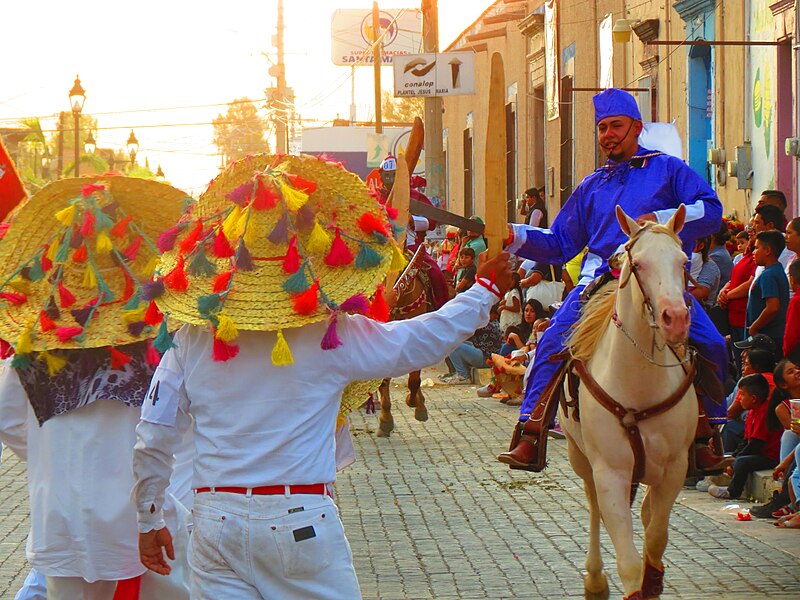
(274, 243)
(72, 263)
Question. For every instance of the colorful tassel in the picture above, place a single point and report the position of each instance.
(297, 283)
(45, 323)
(241, 194)
(222, 281)
(152, 289)
(66, 298)
(6, 349)
(331, 339)
(291, 261)
(304, 185)
(91, 188)
(306, 303)
(111, 209)
(231, 223)
(136, 329)
(281, 354)
(89, 278)
(149, 268)
(266, 197)
(201, 266)
(207, 304)
(129, 290)
(132, 251)
(103, 244)
(14, 298)
(51, 310)
(133, 302)
(121, 228)
(118, 359)
(244, 261)
(166, 241)
(295, 199)
(226, 329)
(47, 263)
(222, 247)
(369, 224)
(319, 241)
(152, 356)
(67, 333)
(399, 261)
(280, 233)
(65, 215)
(133, 316)
(223, 351)
(163, 341)
(305, 218)
(367, 258)
(102, 221)
(36, 272)
(81, 254)
(190, 241)
(152, 315)
(104, 293)
(391, 212)
(54, 362)
(76, 239)
(358, 304)
(81, 315)
(24, 343)
(21, 361)
(339, 254)
(87, 229)
(21, 285)
(379, 310)
(176, 279)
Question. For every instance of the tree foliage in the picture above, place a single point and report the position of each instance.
(403, 109)
(240, 131)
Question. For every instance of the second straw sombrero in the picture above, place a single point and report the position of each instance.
(73, 261)
(274, 243)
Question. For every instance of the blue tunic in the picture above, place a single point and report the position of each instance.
(650, 182)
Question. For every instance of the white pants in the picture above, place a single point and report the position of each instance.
(269, 547)
(77, 588)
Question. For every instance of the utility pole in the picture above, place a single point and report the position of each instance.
(434, 151)
(376, 59)
(281, 99)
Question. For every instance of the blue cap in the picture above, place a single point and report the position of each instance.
(614, 103)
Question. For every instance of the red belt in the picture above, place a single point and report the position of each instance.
(271, 490)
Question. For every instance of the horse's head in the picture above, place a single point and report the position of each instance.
(657, 262)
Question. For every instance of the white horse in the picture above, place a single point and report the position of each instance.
(630, 347)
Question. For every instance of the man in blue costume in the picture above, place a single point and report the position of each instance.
(649, 185)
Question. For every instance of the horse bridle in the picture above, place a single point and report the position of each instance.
(650, 312)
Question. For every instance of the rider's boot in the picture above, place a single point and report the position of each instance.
(705, 457)
(529, 443)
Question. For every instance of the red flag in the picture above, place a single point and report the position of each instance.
(12, 191)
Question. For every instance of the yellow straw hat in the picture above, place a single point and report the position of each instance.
(274, 243)
(72, 263)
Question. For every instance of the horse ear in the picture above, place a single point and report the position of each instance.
(678, 220)
(628, 225)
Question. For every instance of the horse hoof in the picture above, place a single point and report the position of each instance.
(600, 587)
(385, 428)
(421, 414)
(411, 400)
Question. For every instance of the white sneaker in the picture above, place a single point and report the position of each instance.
(719, 492)
(704, 484)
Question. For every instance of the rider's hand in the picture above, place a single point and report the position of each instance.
(151, 546)
(647, 217)
(496, 270)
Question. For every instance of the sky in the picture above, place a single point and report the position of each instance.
(153, 65)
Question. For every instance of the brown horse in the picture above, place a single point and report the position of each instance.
(414, 298)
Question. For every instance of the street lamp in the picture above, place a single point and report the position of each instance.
(90, 145)
(133, 147)
(77, 96)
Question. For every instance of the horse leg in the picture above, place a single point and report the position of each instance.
(659, 500)
(595, 583)
(385, 420)
(415, 397)
(613, 496)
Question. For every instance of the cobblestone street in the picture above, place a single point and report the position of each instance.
(430, 514)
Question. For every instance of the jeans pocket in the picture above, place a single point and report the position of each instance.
(204, 542)
(308, 541)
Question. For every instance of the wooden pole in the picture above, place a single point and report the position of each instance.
(434, 151)
(376, 58)
(495, 160)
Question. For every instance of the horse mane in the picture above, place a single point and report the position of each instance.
(595, 317)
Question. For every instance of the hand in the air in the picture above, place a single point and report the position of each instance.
(497, 269)
(647, 217)
(151, 553)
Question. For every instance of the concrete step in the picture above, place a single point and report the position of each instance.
(760, 486)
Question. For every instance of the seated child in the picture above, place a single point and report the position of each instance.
(466, 274)
(760, 448)
(791, 336)
(755, 360)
